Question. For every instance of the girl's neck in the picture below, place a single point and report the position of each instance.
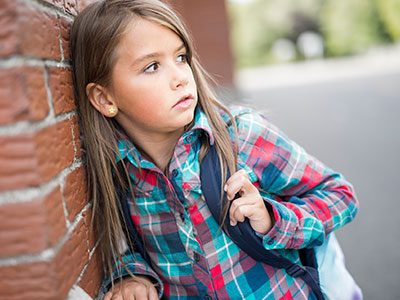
(157, 148)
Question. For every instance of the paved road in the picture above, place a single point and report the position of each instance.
(353, 125)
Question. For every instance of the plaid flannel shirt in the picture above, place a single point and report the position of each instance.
(191, 257)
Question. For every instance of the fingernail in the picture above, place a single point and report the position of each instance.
(225, 187)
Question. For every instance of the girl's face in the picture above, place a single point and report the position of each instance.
(152, 83)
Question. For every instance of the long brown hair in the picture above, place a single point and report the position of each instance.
(95, 34)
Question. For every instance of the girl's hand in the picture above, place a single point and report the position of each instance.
(137, 288)
(250, 204)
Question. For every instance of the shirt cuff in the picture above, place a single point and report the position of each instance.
(284, 227)
(132, 263)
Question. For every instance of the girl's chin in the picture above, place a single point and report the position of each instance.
(184, 123)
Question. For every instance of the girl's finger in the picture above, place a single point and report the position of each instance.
(107, 296)
(239, 184)
(260, 219)
(153, 294)
(236, 205)
(235, 175)
(241, 213)
(117, 296)
(140, 293)
(244, 200)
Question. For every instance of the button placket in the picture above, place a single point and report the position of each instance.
(196, 257)
(188, 139)
(174, 173)
(271, 241)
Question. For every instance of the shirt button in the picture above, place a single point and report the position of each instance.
(196, 257)
(188, 139)
(174, 172)
(182, 215)
(207, 297)
(271, 241)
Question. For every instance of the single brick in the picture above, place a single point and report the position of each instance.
(19, 162)
(55, 148)
(60, 82)
(27, 30)
(34, 158)
(28, 281)
(31, 227)
(22, 227)
(22, 95)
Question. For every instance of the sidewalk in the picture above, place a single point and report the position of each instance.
(375, 61)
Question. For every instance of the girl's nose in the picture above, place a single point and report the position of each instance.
(180, 77)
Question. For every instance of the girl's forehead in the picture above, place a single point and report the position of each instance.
(142, 35)
(141, 31)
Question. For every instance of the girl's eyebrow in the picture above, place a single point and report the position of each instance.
(154, 54)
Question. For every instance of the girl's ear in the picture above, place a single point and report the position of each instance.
(101, 99)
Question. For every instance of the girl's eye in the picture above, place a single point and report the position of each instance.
(182, 58)
(151, 68)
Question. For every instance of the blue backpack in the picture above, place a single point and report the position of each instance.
(242, 234)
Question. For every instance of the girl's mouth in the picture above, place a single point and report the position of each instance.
(184, 102)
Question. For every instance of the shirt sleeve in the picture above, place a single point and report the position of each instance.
(132, 262)
(308, 199)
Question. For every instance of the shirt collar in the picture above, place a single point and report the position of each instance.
(126, 149)
(201, 123)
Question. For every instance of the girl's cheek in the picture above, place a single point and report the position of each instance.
(149, 110)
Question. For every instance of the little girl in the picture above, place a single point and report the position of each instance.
(148, 116)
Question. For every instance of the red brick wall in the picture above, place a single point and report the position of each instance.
(46, 246)
(45, 242)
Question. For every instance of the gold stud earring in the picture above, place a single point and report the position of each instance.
(112, 111)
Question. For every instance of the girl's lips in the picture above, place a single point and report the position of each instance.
(185, 102)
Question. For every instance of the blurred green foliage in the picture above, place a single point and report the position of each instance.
(389, 13)
(350, 26)
(346, 26)
(258, 24)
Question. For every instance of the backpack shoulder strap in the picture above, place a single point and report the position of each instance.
(243, 234)
(130, 227)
